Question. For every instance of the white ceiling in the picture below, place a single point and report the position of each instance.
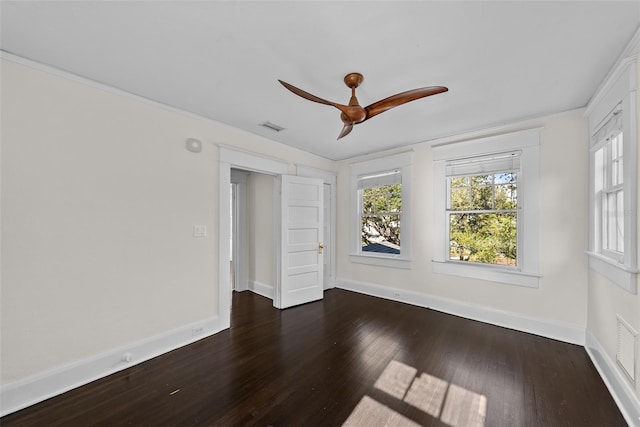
(502, 61)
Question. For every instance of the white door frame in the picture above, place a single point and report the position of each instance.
(329, 179)
(239, 218)
(232, 158)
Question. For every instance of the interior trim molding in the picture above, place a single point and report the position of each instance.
(566, 332)
(619, 274)
(44, 385)
(261, 289)
(231, 157)
(609, 83)
(620, 390)
(330, 178)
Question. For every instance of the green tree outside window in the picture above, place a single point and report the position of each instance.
(483, 218)
(381, 213)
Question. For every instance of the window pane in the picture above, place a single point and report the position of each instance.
(460, 181)
(369, 200)
(460, 198)
(599, 170)
(609, 216)
(380, 219)
(489, 238)
(616, 146)
(505, 178)
(619, 144)
(383, 199)
(394, 198)
(506, 196)
(482, 197)
(620, 222)
(381, 234)
(481, 180)
(616, 160)
(616, 172)
(613, 214)
(484, 192)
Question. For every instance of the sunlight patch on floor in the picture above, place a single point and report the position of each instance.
(427, 393)
(370, 412)
(464, 408)
(450, 403)
(396, 379)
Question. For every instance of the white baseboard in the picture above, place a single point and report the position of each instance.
(618, 387)
(261, 289)
(36, 388)
(330, 284)
(241, 287)
(566, 332)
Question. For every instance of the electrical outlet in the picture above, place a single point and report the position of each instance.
(197, 331)
(396, 294)
(199, 230)
(126, 357)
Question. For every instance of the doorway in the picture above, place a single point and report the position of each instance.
(229, 159)
(252, 232)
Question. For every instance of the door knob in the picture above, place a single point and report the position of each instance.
(320, 247)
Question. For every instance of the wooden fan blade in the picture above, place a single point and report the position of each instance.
(402, 98)
(310, 97)
(345, 130)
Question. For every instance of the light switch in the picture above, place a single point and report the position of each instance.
(199, 230)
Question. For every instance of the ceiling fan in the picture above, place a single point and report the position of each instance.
(353, 113)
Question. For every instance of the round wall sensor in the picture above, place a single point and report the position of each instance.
(194, 145)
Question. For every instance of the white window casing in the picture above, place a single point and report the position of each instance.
(613, 116)
(514, 151)
(395, 169)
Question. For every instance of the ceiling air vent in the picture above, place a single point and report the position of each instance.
(272, 126)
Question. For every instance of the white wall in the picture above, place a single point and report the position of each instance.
(260, 210)
(99, 200)
(561, 297)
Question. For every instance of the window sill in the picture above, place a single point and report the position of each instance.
(487, 272)
(381, 260)
(621, 275)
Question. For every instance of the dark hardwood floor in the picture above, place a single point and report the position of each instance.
(349, 358)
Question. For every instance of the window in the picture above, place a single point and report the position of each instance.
(486, 227)
(482, 207)
(609, 186)
(381, 203)
(613, 179)
(380, 212)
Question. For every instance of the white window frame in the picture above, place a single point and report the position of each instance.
(527, 272)
(485, 166)
(402, 162)
(617, 96)
(603, 186)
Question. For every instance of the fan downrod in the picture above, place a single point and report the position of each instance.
(353, 80)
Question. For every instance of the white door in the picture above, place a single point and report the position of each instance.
(301, 274)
